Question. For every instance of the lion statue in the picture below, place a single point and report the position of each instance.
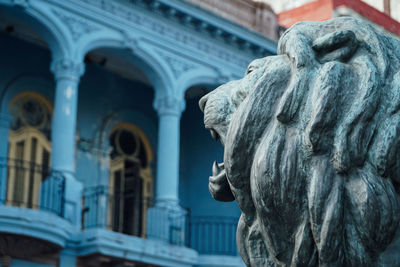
(312, 147)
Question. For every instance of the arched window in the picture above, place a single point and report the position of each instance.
(29, 148)
(131, 182)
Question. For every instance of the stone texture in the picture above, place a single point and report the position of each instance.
(312, 141)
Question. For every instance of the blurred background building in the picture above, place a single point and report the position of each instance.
(104, 156)
(104, 159)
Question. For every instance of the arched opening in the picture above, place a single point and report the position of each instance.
(115, 88)
(131, 181)
(118, 61)
(29, 149)
(34, 27)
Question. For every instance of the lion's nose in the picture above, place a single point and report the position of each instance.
(203, 102)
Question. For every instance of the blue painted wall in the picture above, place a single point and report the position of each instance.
(102, 93)
(23, 66)
(105, 99)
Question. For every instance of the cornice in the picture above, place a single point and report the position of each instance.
(173, 25)
(187, 15)
(210, 24)
(206, 49)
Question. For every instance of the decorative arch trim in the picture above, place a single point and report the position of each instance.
(136, 130)
(34, 95)
(143, 55)
(40, 17)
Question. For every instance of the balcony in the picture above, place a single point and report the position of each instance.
(28, 185)
(123, 225)
(116, 211)
(32, 204)
(127, 214)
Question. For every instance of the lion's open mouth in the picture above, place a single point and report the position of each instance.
(218, 169)
(218, 185)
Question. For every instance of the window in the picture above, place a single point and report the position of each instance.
(29, 149)
(131, 183)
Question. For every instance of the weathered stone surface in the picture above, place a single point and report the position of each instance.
(312, 148)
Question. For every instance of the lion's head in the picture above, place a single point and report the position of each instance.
(312, 140)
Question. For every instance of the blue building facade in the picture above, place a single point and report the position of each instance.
(104, 160)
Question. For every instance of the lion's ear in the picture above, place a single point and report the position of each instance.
(338, 46)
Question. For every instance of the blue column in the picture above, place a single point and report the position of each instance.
(166, 221)
(67, 74)
(5, 120)
(169, 111)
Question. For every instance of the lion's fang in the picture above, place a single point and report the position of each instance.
(214, 134)
(215, 169)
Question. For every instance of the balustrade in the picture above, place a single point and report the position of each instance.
(213, 235)
(104, 208)
(28, 183)
(116, 210)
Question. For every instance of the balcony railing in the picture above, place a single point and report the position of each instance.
(213, 235)
(118, 211)
(29, 185)
(128, 213)
(105, 208)
(169, 224)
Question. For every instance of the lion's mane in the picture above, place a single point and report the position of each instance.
(312, 140)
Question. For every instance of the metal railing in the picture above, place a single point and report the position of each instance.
(169, 224)
(122, 212)
(30, 185)
(213, 235)
(94, 207)
(104, 208)
(131, 214)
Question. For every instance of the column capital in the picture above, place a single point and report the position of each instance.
(169, 105)
(67, 69)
